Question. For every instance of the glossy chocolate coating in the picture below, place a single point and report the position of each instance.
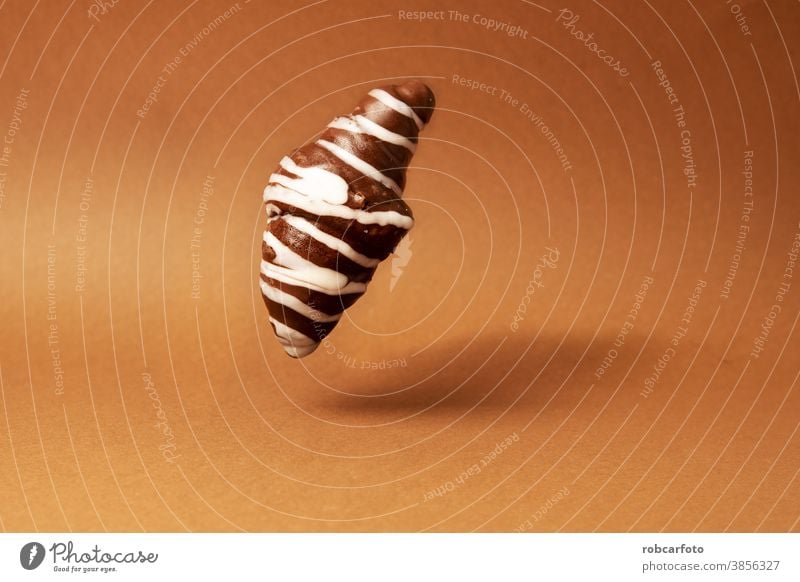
(320, 251)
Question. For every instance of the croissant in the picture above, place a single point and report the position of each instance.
(334, 212)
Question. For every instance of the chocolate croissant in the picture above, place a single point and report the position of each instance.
(334, 212)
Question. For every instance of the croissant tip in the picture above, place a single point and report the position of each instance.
(298, 352)
(323, 239)
(419, 96)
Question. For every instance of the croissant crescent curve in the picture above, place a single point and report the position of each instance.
(334, 212)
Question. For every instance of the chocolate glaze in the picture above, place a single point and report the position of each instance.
(311, 249)
(331, 249)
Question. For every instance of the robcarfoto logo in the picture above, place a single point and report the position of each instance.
(31, 555)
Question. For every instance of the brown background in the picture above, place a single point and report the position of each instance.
(262, 442)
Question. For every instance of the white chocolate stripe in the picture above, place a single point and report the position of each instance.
(329, 241)
(361, 124)
(304, 270)
(273, 213)
(295, 343)
(280, 193)
(314, 182)
(304, 273)
(286, 276)
(355, 162)
(394, 103)
(293, 303)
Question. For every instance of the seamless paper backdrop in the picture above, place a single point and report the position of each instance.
(592, 326)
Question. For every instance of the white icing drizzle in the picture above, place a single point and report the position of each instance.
(364, 167)
(287, 276)
(320, 192)
(280, 193)
(329, 241)
(314, 182)
(394, 103)
(295, 343)
(293, 303)
(273, 213)
(361, 124)
(310, 275)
